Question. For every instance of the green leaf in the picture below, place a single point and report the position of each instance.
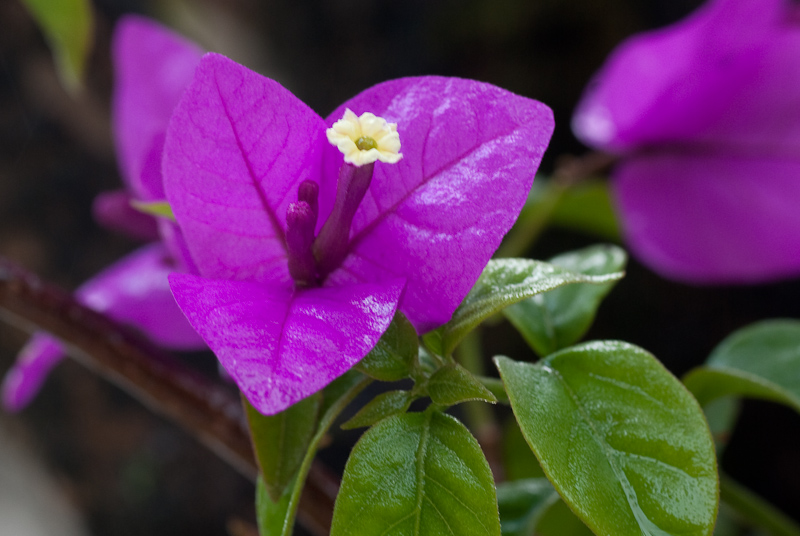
(759, 361)
(505, 282)
(417, 474)
(453, 384)
(394, 355)
(522, 504)
(623, 442)
(280, 441)
(433, 341)
(273, 516)
(160, 209)
(68, 26)
(587, 207)
(382, 406)
(560, 317)
(427, 363)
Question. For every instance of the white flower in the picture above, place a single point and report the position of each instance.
(365, 139)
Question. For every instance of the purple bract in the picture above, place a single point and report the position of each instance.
(706, 115)
(153, 67)
(243, 156)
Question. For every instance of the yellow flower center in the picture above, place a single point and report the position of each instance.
(365, 143)
(365, 139)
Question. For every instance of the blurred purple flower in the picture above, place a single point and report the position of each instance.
(288, 306)
(153, 67)
(706, 115)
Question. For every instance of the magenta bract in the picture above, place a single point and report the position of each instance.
(153, 67)
(705, 116)
(237, 150)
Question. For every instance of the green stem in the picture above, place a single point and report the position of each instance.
(479, 416)
(755, 509)
(325, 423)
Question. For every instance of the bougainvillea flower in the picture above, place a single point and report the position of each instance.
(706, 117)
(304, 258)
(153, 67)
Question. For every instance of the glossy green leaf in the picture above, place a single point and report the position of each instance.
(621, 439)
(417, 474)
(505, 282)
(160, 209)
(522, 504)
(453, 384)
(587, 207)
(560, 317)
(759, 361)
(280, 441)
(394, 355)
(68, 26)
(433, 341)
(273, 517)
(382, 406)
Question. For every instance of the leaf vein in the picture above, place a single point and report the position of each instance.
(459, 501)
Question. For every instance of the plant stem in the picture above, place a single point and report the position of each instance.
(479, 416)
(755, 509)
(325, 423)
(205, 409)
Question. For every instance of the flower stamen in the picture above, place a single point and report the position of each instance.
(365, 139)
(365, 143)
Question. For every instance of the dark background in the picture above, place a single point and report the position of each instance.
(132, 473)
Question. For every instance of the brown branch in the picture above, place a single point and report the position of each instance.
(572, 169)
(204, 408)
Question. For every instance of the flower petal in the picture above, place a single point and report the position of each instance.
(712, 219)
(237, 148)
(280, 345)
(135, 291)
(723, 76)
(173, 239)
(153, 67)
(436, 217)
(34, 362)
(114, 211)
